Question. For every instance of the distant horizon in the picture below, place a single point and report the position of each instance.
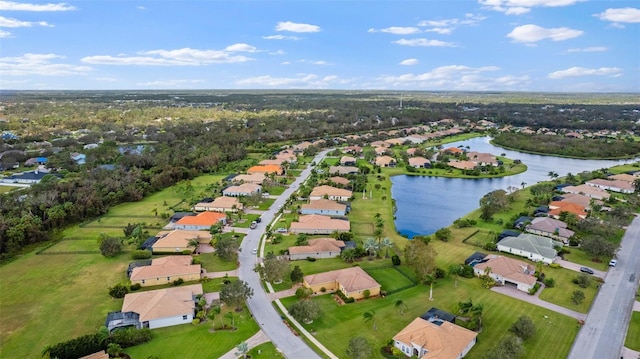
(552, 46)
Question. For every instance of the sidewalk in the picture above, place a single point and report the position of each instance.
(229, 273)
(253, 342)
(535, 300)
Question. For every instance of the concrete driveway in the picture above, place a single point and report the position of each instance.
(576, 267)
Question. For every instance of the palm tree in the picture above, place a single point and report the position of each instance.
(348, 255)
(370, 316)
(455, 270)
(232, 319)
(401, 306)
(430, 279)
(386, 243)
(523, 184)
(552, 175)
(193, 242)
(370, 246)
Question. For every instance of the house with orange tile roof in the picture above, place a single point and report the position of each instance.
(453, 151)
(300, 147)
(245, 189)
(256, 178)
(579, 199)
(507, 271)
(157, 308)
(385, 161)
(266, 169)
(220, 204)
(325, 207)
(483, 159)
(319, 224)
(419, 162)
(165, 270)
(352, 282)
(201, 222)
(623, 177)
(557, 207)
(395, 141)
(177, 241)
(379, 144)
(612, 185)
(434, 339)
(332, 193)
(317, 248)
(586, 190)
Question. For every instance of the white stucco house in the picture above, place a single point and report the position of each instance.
(534, 247)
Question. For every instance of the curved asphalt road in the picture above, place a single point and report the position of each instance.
(605, 328)
(260, 304)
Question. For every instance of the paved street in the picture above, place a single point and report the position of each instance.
(260, 304)
(605, 328)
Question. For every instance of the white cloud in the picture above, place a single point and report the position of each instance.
(296, 27)
(398, 30)
(315, 62)
(39, 64)
(8, 22)
(285, 63)
(15, 6)
(168, 83)
(277, 52)
(409, 62)
(177, 57)
(446, 26)
(519, 7)
(280, 37)
(621, 15)
(533, 33)
(4, 34)
(423, 42)
(589, 49)
(581, 71)
(299, 81)
(141, 8)
(457, 77)
(240, 47)
(106, 79)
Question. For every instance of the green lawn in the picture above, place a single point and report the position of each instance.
(265, 351)
(265, 204)
(196, 341)
(38, 290)
(212, 263)
(5, 189)
(275, 190)
(389, 278)
(561, 293)
(89, 244)
(553, 339)
(215, 284)
(633, 333)
(577, 255)
(246, 220)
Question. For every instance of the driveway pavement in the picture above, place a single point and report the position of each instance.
(535, 300)
(257, 339)
(603, 334)
(576, 267)
(284, 293)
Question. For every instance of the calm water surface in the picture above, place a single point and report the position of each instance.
(426, 204)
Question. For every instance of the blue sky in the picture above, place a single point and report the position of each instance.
(448, 45)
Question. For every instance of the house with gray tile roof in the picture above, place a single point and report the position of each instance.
(534, 247)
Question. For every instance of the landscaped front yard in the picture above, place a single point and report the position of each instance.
(553, 339)
(633, 333)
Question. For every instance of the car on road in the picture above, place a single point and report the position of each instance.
(613, 262)
(586, 270)
(253, 225)
(254, 251)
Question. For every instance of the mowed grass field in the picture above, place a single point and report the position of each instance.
(46, 299)
(553, 338)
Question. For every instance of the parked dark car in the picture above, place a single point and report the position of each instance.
(586, 270)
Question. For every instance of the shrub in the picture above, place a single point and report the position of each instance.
(311, 259)
(535, 288)
(110, 246)
(196, 321)
(491, 246)
(131, 337)
(467, 271)
(118, 291)
(323, 290)
(303, 292)
(555, 265)
(77, 347)
(186, 252)
(141, 254)
(178, 281)
(366, 293)
(550, 282)
(135, 287)
(440, 273)
(349, 300)
(582, 280)
(395, 259)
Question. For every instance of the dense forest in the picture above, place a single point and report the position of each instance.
(192, 132)
(571, 147)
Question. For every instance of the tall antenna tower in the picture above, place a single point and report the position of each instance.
(400, 100)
